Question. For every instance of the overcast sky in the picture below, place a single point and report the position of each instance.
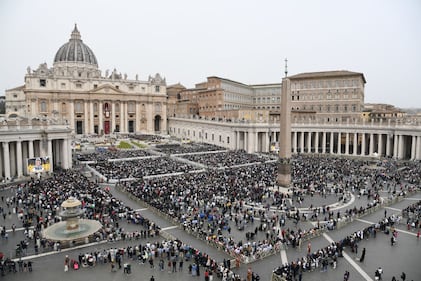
(246, 41)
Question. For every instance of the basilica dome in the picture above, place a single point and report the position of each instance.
(75, 51)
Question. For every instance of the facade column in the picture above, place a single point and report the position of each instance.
(395, 146)
(363, 145)
(413, 147)
(388, 145)
(256, 141)
(347, 143)
(64, 154)
(339, 143)
(302, 142)
(6, 159)
(267, 142)
(113, 117)
(371, 146)
(331, 142)
(19, 158)
(324, 142)
(316, 143)
(87, 114)
(294, 140)
(72, 116)
(31, 149)
(137, 122)
(380, 145)
(121, 116)
(354, 144)
(100, 118)
(91, 117)
(50, 154)
(237, 135)
(418, 153)
(400, 147)
(309, 142)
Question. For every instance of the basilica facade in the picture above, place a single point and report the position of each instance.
(76, 92)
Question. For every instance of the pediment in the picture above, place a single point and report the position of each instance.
(106, 89)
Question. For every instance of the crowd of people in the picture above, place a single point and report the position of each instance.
(226, 159)
(212, 203)
(102, 155)
(141, 168)
(172, 149)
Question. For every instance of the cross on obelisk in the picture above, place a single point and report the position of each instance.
(284, 166)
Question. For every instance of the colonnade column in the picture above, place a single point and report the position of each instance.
(380, 145)
(6, 158)
(309, 142)
(19, 158)
(302, 142)
(418, 154)
(400, 147)
(371, 147)
(339, 143)
(331, 143)
(294, 140)
(388, 145)
(31, 149)
(237, 136)
(324, 142)
(50, 154)
(414, 147)
(395, 146)
(363, 145)
(346, 143)
(316, 143)
(354, 144)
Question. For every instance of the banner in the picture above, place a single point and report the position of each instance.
(38, 164)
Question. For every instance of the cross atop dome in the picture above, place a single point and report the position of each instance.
(75, 33)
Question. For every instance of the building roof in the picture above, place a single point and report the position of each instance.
(334, 73)
(17, 88)
(75, 51)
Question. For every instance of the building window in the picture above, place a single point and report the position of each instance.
(95, 86)
(63, 107)
(15, 95)
(63, 85)
(79, 107)
(228, 140)
(157, 89)
(117, 87)
(42, 82)
(43, 106)
(78, 85)
(131, 107)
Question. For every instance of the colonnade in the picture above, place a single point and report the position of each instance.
(365, 140)
(14, 155)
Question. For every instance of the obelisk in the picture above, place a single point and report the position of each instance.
(284, 166)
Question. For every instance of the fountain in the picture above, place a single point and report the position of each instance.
(72, 228)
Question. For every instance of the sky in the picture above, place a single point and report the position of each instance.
(187, 41)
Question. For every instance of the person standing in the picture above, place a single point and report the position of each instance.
(152, 278)
(346, 275)
(362, 256)
(403, 276)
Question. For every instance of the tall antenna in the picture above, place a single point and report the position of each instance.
(286, 67)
